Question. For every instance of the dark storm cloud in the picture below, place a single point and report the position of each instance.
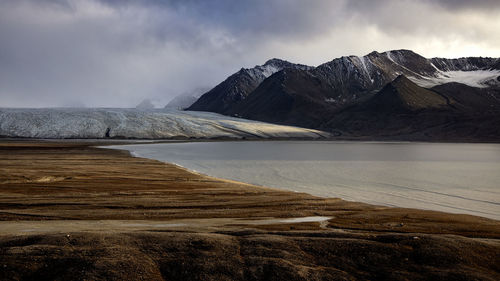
(116, 53)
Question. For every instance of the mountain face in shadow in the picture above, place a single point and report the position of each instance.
(404, 96)
(392, 94)
(403, 110)
(239, 85)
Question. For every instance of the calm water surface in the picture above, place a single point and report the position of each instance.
(458, 178)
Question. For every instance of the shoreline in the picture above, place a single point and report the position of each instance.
(97, 213)
(315, 189)
(112, 141)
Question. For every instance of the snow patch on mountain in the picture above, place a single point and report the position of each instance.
(365, 68)
(268, 70)
(389, 56)
(272, 66)
(476, 78)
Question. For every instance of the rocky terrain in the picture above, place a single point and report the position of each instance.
(314, 97)
(137, 123)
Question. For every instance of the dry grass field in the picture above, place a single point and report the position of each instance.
(71, 211)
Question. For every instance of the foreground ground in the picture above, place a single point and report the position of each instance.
(70, 211)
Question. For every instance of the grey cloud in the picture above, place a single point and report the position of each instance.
(486, 5)
(117, 53)
(371, 5)
(282, 18)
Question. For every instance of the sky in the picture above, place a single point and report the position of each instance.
(112, 53)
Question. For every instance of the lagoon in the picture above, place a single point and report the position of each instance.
(449, 177)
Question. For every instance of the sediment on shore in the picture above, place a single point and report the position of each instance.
(72, 211)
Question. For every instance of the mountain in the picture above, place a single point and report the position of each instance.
(88, 123)
(181, 102)
(239, 85)
(310, 97)
(471, 99)
(404, 110)
(291, 96)
(313, 97)
(465, 64)
(185, 100)
(348, 80)
(402, 95)
(352, 77)
(146, 104)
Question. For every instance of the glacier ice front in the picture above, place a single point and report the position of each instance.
(98, 123)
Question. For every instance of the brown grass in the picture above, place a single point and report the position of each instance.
(72, 211)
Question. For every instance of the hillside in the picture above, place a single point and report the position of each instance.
(403, 110)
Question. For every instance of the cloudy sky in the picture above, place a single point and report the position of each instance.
(116, 53)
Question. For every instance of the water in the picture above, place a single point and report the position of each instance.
(457, 178)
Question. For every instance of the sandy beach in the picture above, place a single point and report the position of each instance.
(69, 210)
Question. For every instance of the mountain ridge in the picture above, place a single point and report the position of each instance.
(350, 77)
(313, 96)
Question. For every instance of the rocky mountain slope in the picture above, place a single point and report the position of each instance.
(132, 123)
(404, 110)
(312, 97)
(239, 85)
(290, 96)
(402, 95)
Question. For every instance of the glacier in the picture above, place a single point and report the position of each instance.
(98, 123)
(473, 78)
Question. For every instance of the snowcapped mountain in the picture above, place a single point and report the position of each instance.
(239, 85)
(349, 78)
(311, 97)
(133, 123)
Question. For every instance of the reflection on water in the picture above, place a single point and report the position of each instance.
(459, 178)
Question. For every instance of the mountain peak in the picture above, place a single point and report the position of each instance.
(403, 54)
(276, 61)
(239, 85)
(402, 51)
(372, 54)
